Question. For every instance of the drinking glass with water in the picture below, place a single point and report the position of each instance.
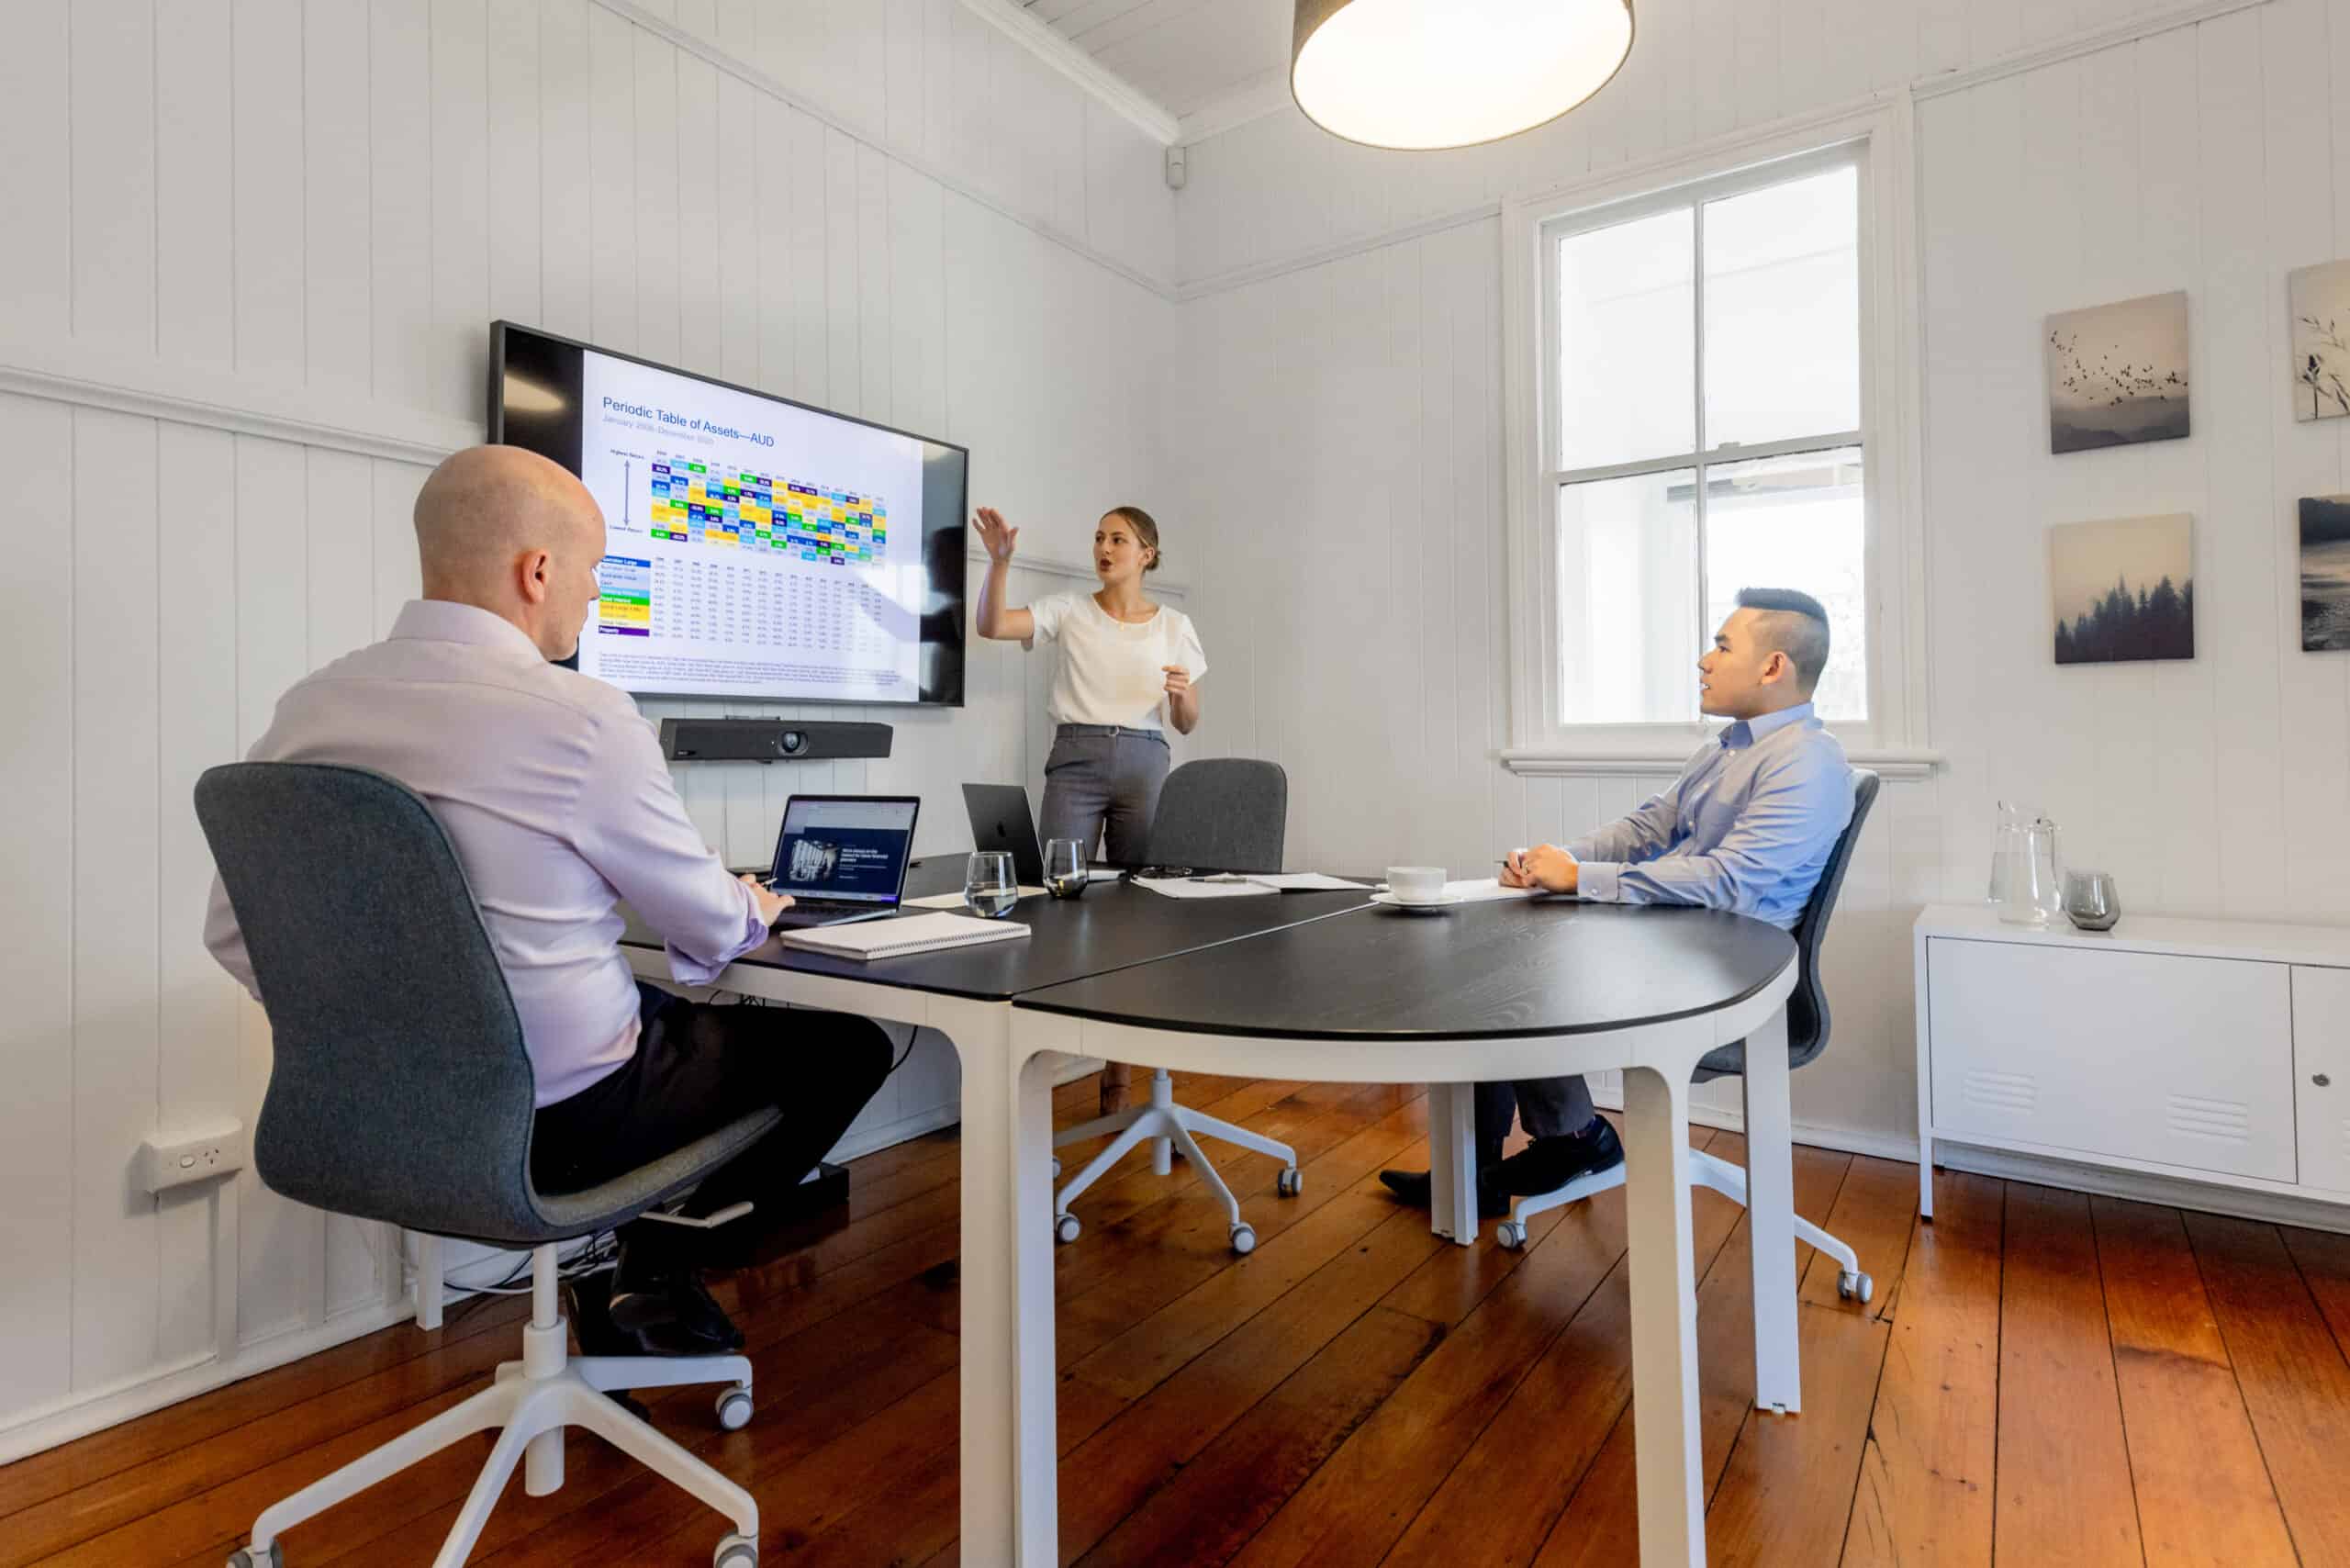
(1065, 867)
(989, 890)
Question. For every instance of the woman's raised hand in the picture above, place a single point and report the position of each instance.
(998, 535)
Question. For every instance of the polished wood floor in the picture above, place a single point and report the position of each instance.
(2044, 1379)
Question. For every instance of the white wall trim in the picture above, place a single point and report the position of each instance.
(244, 404)
(704, 49)
(1902, 765)
(79, 1415)
(2171, 1192)
(1337, 251)
(1129, 102)
(218, 397)
(1259, 97)
(2061, 49)
(2105, 1180)
(221, 398)
(1813, 1135)
(2012, 64)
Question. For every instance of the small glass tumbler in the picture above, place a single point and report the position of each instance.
(989, 890)
(1065, 867)
(2089, 900)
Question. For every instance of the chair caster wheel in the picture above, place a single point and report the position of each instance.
(1511, 1234)
(244, 1557)
(734, 1408)
(1853, 1286)
(1244, 1239)
(735, 1552)
(1065, 1228)
(1290, 1183)
(1057, 1168)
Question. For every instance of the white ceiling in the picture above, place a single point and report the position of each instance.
(1183, 55)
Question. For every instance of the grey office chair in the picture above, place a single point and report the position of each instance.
(1227, 815)
(400, 1092)
(1806, 1037)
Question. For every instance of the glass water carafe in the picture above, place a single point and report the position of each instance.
(2034, 893)
(2006, 849)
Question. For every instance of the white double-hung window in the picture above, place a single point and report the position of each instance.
(1712, 403)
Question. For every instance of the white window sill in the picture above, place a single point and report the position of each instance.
(1895, 764)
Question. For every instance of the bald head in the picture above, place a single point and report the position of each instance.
(507, 531)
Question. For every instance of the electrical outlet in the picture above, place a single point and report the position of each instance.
(180, 1158)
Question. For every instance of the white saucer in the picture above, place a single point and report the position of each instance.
(1422, 906)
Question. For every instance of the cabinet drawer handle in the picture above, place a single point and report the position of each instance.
(2321, 1079)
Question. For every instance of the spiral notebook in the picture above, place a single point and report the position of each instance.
(906, 934)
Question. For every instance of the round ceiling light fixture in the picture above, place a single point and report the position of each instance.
(1427, 73)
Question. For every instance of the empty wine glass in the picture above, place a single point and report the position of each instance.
(1065, 867)
(989, 890)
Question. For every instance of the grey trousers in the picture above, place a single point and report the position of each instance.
(1102, 788)
(1551, 1107)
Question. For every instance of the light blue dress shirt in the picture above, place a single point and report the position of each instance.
(1747, 827)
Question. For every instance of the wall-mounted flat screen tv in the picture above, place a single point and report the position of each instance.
(756, 549)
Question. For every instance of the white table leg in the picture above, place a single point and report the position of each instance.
(1664, 1319)
(1010, 1498)
(1453, 1162)
(1770, 1215)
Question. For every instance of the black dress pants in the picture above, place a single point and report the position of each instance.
(697, 1068)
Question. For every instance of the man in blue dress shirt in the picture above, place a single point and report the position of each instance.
(1748, 826)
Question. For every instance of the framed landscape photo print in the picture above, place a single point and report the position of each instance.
(2117, 373)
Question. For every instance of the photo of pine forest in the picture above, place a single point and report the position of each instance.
(2124, 591)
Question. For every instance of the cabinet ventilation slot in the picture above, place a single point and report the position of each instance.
(2011, 1092)
(2225, 1121)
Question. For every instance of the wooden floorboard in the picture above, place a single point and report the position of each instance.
(1787, 1495)
(2204, 1496)
(2065, 1492)
(1924, 1497)
(1597, 1527)
(2060, 1379)
(2296, 1385)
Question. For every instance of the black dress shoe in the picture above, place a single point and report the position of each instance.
(669, 1312)
(586, 1304)
(1416, 1188)
(1550, 1163)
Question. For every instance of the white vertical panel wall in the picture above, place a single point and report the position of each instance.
(255, 305)
(1338, 406)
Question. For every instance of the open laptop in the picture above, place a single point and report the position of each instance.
(1000, 820)
(843, 857)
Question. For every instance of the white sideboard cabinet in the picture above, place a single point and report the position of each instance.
(2197, 1050)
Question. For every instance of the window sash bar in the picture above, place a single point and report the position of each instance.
(1791, 447)
(1697, 507)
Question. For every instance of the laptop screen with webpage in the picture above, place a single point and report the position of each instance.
(851, 848)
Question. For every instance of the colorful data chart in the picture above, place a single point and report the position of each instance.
(624, 599)
(699, 503)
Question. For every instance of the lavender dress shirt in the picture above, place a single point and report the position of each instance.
(553, 790)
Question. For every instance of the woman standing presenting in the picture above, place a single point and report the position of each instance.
(1126, 665)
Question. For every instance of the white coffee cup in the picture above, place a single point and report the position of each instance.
(1416, 884)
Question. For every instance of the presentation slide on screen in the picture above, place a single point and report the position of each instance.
(844, 850)
(753, 549)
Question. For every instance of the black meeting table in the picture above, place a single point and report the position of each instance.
(1331, 987)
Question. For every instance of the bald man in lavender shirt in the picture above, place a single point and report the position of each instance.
(553, 791)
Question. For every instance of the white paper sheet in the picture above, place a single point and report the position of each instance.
(1307, 882)
(1484, 889)
(1184, 887)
